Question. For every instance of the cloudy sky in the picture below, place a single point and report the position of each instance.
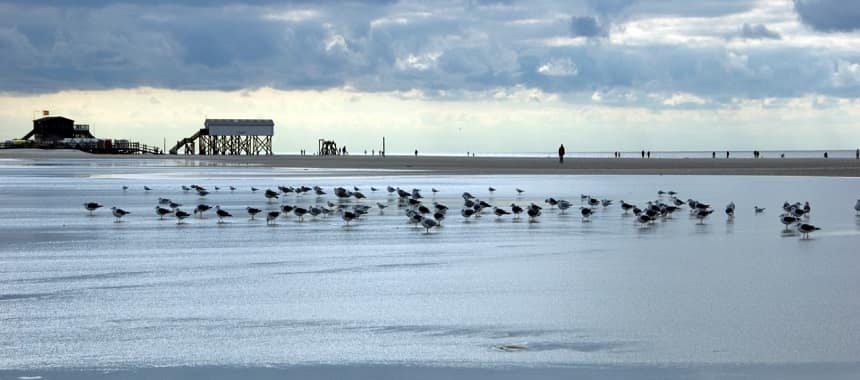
(444, 76)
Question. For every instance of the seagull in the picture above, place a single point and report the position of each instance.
(586, 213)
(146, 188)
(520, 191)
(254, 189)
(606, 202)
(439, 217)
(660, 193)
(381, 206)
(174, 205)
(202, 193)
(358, 195)
(272, 217)
(347, 216)
(428, 223)
(857, 207)
(593, 201)
(217, 188)
(163, 201)
(701, 214)
(300, 212)
(201, 208)
(758, 210)
(180, 216)
(124, 188)
(467, 212)
(271, 195)
(92, 206)
(434, 190)
(516, 210)
(563, 205)
(315, 211)
(390, 189)
(500, 212)
(533, 212)
(414, 217)
(730, 210)
(468, 196)
(222, 214)
(491, 189)
(286, 209)
(119, 213)
(253, 211)
(644, 219)
(671, 193)
(185, 188)
(806, 229)
(232, 188)
(788, 220)
(356, 188)
(551, 201)
(626, 206)
(373, 189)
(161, 212)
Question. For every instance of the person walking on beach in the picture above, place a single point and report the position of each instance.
(561, 154)
(857, 154)
(643, 154)
(727, 154)
(416, 152)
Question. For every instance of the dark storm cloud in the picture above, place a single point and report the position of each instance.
(829, 15)
(448, 47)
(757, 31)
(586, 26)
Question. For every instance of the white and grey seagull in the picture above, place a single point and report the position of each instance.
(118, 213)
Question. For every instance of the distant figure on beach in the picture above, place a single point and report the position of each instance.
(727, 154)
(561, 154)
(782, 155)
(648, 154)
(857, 154)
(643, 154)
(825, 154)
(713, 154)
(416, 152)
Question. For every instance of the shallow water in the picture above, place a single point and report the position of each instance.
(83, 291)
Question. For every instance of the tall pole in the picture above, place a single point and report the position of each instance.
(383, 147)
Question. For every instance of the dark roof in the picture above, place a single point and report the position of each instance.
(240, 122)
(50, 118)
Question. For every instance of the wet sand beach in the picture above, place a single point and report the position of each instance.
(446, 165)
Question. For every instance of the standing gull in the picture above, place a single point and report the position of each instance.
(272, 217)
(92, 206)
(118, 213)
(806, 229)
(222, 214)
(180, 216)
(161, 212)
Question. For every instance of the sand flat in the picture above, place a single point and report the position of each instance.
(446, 165)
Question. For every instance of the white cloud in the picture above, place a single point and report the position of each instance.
(561, 67)
(846, 74)
(418, 62)
(679, 99)
(297, 15)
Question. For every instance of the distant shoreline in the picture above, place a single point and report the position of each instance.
(448, 165)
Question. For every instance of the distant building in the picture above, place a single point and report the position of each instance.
(57, 128)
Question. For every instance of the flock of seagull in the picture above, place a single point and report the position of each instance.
(430, 215)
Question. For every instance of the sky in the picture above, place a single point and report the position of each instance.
(443, 76)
